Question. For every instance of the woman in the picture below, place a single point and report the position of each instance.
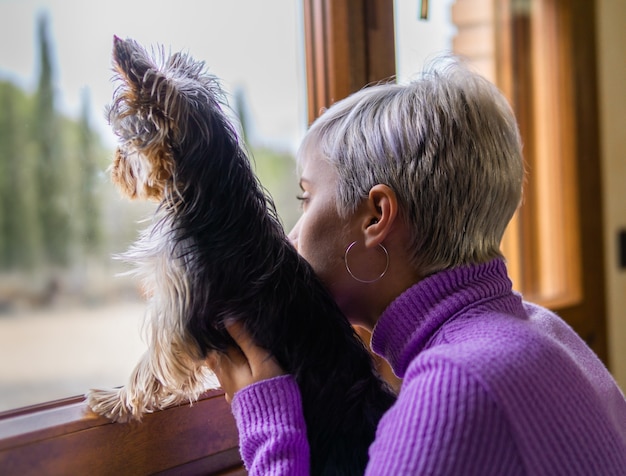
(406, 192)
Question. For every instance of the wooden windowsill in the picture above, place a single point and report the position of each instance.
(65, 437)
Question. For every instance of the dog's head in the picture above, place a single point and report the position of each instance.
(157, 101)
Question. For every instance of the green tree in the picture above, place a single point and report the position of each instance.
(51, 171)
(276, 170)
(89, 212)
(242, 113)
(9, 235)
(19, 231)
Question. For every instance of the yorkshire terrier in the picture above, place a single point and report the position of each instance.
(216, 252)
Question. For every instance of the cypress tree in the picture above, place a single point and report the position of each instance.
(19, 231)
(242, 114)
(7, 152)
(89, 212)
(51, 172)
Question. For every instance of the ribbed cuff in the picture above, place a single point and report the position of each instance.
(272, 429)
(275, 401)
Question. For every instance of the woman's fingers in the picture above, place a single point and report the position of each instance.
(261, 363)
(243, 366)
(231, 369)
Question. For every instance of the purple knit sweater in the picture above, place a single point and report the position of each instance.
(491, 385)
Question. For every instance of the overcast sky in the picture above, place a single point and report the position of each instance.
(253, 44)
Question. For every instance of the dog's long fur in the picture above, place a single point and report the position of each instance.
(216, 252)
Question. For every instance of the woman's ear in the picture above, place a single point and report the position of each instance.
(380, 214)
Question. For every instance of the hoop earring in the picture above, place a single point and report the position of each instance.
(366, 281)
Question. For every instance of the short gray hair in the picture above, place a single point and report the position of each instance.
(447, 143)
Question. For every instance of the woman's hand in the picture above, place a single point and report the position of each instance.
(239, 368)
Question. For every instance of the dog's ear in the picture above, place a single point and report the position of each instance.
(131, 61)
(144, 162)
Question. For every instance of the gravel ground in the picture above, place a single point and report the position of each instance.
(46, 355)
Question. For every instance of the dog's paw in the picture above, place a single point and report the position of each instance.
(112, 404)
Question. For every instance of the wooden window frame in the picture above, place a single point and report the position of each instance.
(540, 53)
(65, 437)
(348, 45)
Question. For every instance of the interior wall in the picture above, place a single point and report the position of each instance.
(611, 18)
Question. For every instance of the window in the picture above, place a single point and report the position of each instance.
(531, 63)
(67, 323)
(541, 53)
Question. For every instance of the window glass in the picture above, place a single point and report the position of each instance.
(67, 322)
(420, 39)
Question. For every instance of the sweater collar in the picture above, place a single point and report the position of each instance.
(406, 326)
